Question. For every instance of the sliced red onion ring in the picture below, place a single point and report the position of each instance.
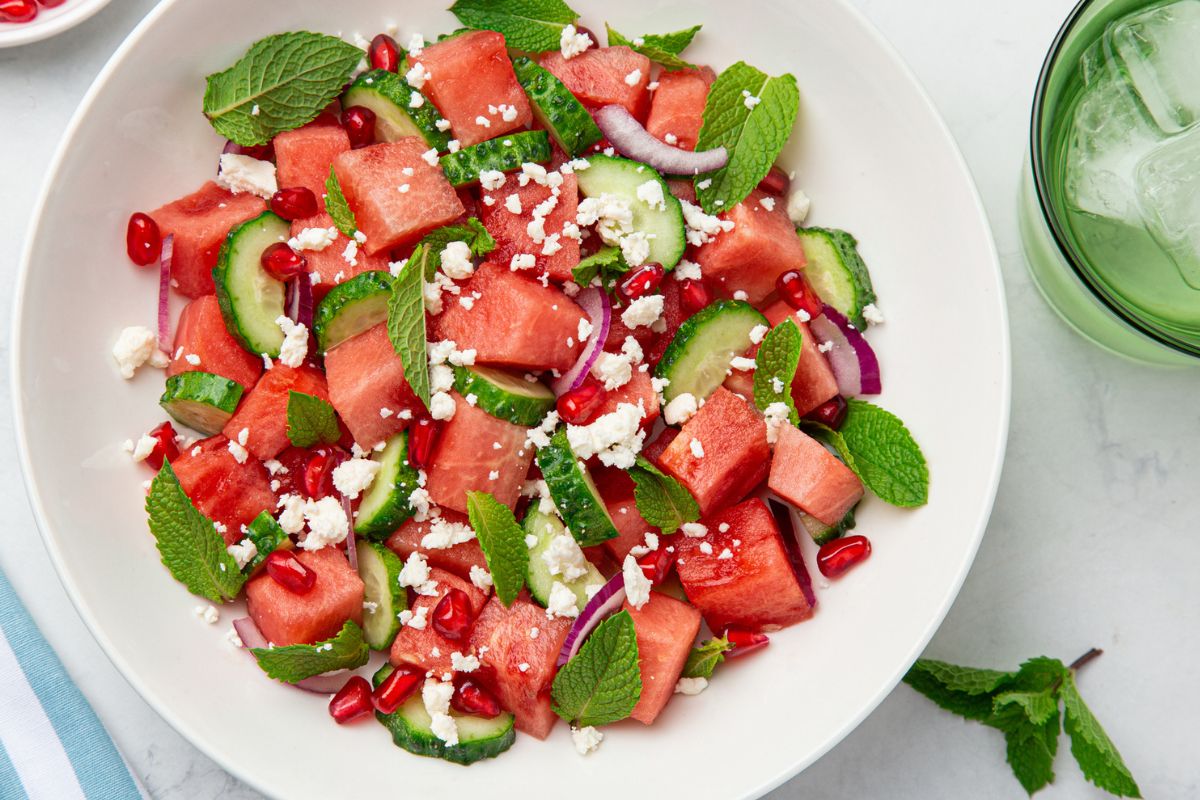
(595, 303)
(164, 293)
(252, 639)
(304, 301)
(783, 519)
(633, 141)
(605, 602)
(351, 550)
(852, 360)
(248, 632)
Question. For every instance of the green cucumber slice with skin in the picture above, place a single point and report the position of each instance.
(385, 598)
(201, 400)
(837, 273)
(556, 108)
(250, 299)
(822, 533)
(574, 493)
(545, 528)
(621, 177)
(385, 505)
(697, 360)
(504, 395)
(463, 168)
(390, 97)
(267, 536)
(352, 307)
(478, 737)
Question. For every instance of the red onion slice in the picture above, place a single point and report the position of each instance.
(595, 303)
(248, 632)
(852, 360)
(164, 293)
(304, 301)
(633, 141)
(351, 550)
(605, 602)
(252, 639)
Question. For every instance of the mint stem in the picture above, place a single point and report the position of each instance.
(1084, 659)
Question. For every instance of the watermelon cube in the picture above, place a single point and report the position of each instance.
(389, 216)
(762, 246)
(514, 322)
(201, 332)
(288, 618)
(652, 451)
(263, 412)
(199, 222)
(515, 637)
(425, 647)
(666, 629)
(365, 377)
(330, 264)
(733, 438)
(814, 384)
(601, 76)
(672, 317)
(511, 230)
(616, 490)
(303, 156)
(457, 559)
(811, 478)
(638, 390)
(228, 493)
(755, 585)
(466, 459)
(677, 107)
(471, 78)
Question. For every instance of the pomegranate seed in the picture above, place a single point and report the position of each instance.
(797, 293)
(263, 152)
(17, 10)
(318, 472)
(352, 701)
(837, 556)
(164, 448)
(745, 640)
(471, 698)
(282, 262)
(695, 295)
(656, 565)
(286, 570)
(143, 241)
(422, 437)
(641, 281)
(831, 413)
(452, 616)
(359, 123)
(777, 182)
(396, 688)
(384, 53)
(297, 202)
(578, 406)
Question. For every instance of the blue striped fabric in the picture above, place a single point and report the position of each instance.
(52, 745)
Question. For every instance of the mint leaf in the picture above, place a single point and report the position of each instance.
(190, 546)
(1097, 755)
(1036, 707)
(406, 322)
(337, 207)
(531, 25)
(472, 232)
(775, 367)
(267, 535)
(295, 662)
(281, 83)
(705, 657)
(886, 456)
(607, 263)
(661, 48)
(503, 544)
(960, 690)
(661, 500)
(602, 683)
(1030, 751)
(753, 136)
(310, 420)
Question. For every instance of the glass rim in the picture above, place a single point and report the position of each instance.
(1041, 189)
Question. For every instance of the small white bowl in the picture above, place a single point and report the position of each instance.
(49, 22)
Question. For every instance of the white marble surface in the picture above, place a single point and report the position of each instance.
(1092, 543)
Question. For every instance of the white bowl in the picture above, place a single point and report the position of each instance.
(877, 160)
(49, 22)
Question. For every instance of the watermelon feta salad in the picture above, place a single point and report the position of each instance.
(511, 358)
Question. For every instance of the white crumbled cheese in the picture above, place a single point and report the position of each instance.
(456, 260)
(691, 686)
(294, 349)
(453, 146)
(461, 663)
(725, 555)
(135, 346)
(513, 203)
(350, 254)
(531, 541)
(291, 519)
(633, 77)
(775, 415)
(430, 156)
(255, 110)
(658, 384)
(245, 174)
(758, 333)
(651, 194)
(825, 347)
(192, 359)
(552, 244)
(416, 45)
(585, 329)
(533, 632)
(586, 739)
(706, 548)
(750, 100)
(238, 451)
(403, 188)
(144, 447)
(416, 100)
(416, 574)
(798, 206)
(564, 557)
(742, 364)
(441, 406)
(872, 314)
(704, 184)
(327, 523)
(670, 138)
(637, 585)
(539, 437)
(208, 613)
(522, 261)
(523, 666)
(243, 552)
(442, 125)
(635, 247)
(702, 228)
(571, 43)
(414, 619)
(561, 602)
(740, 294)
(435, 695)
(444, 534)
(777, 385)
(687, 271)
(767, 203)
(615, 438)
(234, 640)
(417, 76)
(315, 239)
(613, 370)
(353, 477)
(611, 214)
(682, 408)
(481, 578)
(697, 448)
(694, 530)
(643, 311)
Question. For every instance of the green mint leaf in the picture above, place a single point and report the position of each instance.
(705, 657)
(531, 25)
(503, 544)
(190, 546)
(337, 207)
(1030, 751)
(1031, 697)
(310, 420)
(753, 136)
(607, 263)
(602, 683)
(295, 662)
(1097, 755)
(1035, 707)
(661, 500)
(886, 456)
(662, 48)
(965, 691)
(406, 322)
(281, 83)
(472, 232)
(267, 535)
(775, 367)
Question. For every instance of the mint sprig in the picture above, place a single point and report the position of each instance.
(295, 662)
(602, 683)
(471, 232)
(751, 115)
(310, 420)
(607, 263)
(705, 657)
(662, 48)
(775, 367)
(531, 25)
(661, 500)
(267, 535)
(1095, 752)
(281, 83)
(502, 542)
(406, 322)
(337, 207)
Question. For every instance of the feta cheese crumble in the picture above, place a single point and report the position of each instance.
(798, 206)
(245, 174)
(352, 477)
(571, 42)
(327, 523)
(564, 557)
(637, 585)
(633, 77)
(680, 409)
(315, 239)
(691, 686)
(456, 261)
(643, 311)
(775, 415)
(694, 530)
(135, 346)
(615, 438)
(561, 602)
(294, 349)
(586, 739)
(416, 574)
(872, 314)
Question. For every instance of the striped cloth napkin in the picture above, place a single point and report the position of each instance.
(52, 746)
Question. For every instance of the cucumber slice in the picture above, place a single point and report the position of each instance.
(379, 569)
(385, 504)
(622, 177)
(556, 108)
(352, 307)
(201, 400)
(837, 272)
(250, 299)
(390, 97)
(697, 360)
(574, 493)
(267, 536)
(505, 395)
(478, 738)
(545, 528)
(463, 167)
(822, 533)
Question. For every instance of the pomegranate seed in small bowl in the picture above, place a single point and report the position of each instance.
(143, 241)
(297, 202)
(396, 688)
(352, 701)
(836, 557)
(285, 569)
(384, 53)
(452, 617)
(359, 123)
(282, 262)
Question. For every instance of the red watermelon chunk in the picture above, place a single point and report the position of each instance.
(815, 384)
(457, 559)
(466, 459)
(223, 490)
(639, 389)
(598, 77)
(330, 264)
(366, 376)
(507, 633)
(736, 455)
(514, 322)
(665, 628)
(371, 178)
(511, 230)
(303, 156)
(756, 587)
(652, 451)
(677, 107)
(674, 314)
(811, 478)
(202, 332)
(263, 412)
(199, 222)
(616, 490)
(470, 77)
(288, 618)
(425, 647)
